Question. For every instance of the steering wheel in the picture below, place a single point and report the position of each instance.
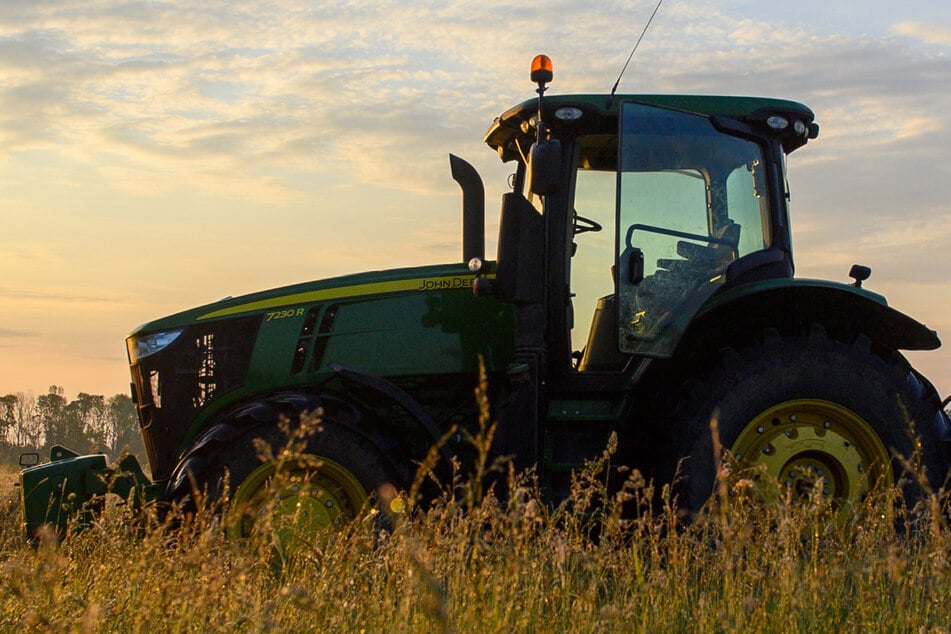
(585, 225)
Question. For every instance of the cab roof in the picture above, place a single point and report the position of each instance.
(599, 112)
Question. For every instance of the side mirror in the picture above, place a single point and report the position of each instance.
(544, 166)
(520, 271)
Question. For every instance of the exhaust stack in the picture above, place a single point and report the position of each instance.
(473, 208)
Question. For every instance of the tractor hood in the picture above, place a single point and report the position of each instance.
(400, 325)
(277, 302)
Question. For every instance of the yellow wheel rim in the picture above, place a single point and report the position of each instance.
(808, 445)
(294, 499)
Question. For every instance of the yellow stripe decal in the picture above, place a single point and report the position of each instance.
(349, 292)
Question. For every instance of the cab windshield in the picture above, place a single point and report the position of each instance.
(691, 200)
(686, 202)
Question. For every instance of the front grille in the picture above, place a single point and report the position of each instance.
(172, 386)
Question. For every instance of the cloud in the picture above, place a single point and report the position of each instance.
(250, 102)
(8, 294)
(939, 34)
(13, 333)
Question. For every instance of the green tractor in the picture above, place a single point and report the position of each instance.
(643, 288)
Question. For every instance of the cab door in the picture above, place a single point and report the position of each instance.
(690, 201)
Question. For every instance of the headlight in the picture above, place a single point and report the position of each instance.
(145, 345)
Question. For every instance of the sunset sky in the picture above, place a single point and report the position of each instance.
(157, 155)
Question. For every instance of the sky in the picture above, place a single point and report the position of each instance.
(159, 155)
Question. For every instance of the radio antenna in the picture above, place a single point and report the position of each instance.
(634, 50)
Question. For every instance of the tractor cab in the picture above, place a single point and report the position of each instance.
(643, 207)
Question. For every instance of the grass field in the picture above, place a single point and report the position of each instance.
(471, 564)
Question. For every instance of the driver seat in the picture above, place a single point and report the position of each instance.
(601, 353)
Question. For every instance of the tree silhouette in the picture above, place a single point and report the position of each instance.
(90, 422)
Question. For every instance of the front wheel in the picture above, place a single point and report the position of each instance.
(332, 482)
(807, 414)
(291, 488)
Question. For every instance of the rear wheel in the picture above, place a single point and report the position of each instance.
(806, 444)
(800, 415)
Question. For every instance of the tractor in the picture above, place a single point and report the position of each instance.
(642, 293)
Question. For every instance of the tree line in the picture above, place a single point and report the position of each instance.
(90, 423)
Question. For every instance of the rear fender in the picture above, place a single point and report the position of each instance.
(793, 305)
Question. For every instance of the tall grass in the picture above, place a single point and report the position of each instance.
(471, 561)
(606, 559)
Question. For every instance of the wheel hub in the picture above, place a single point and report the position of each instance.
(808, 445)
(296, 498)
